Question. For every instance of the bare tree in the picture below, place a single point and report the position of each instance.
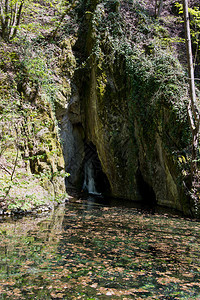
(193, 110)
(10, 16)
(158, 8)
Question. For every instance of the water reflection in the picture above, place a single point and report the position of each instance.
(85, 250)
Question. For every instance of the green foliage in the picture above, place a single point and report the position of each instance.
(33, 18)
(29, 140)
(153, 76)
(155, 85)
(194, 27)
(35, 68)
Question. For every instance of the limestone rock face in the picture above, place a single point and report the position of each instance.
(159, 172)
(34, 152)
(44, 149)
(68, 113)
(123, 108)
(106, 126)
(130, 162)
(131, 112)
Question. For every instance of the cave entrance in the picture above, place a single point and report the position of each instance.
(146, 191)
(95, 181)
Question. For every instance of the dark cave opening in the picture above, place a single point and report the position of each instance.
(146, 191)
(95, 180)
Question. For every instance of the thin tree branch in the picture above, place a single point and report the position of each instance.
(5, 169)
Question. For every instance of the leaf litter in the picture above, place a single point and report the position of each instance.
(103, 253)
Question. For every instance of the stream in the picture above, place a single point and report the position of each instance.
(86, 250)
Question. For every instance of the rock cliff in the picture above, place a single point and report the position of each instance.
(127, 112)
(31, 160)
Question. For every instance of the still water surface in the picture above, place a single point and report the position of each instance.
(89, 251)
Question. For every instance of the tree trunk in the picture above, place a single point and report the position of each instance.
(193, 111)
(158, 8)
(10, 16)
